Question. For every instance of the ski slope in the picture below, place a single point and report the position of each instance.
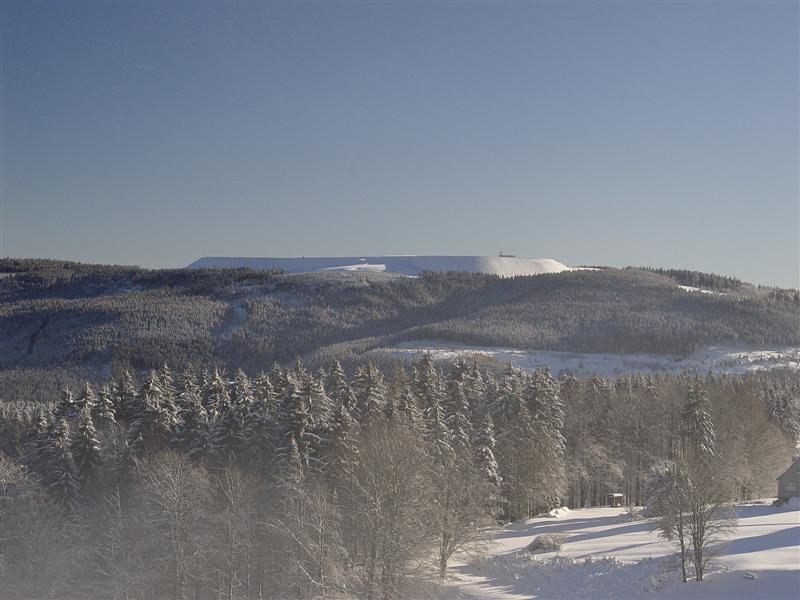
(504, 266)
(605, 557)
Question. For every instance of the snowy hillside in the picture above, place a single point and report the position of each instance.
(719, 359)
(603, 556)
(505, 266)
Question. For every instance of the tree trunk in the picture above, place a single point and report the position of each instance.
(683, 546)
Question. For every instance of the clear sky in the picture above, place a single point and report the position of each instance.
(593, 133)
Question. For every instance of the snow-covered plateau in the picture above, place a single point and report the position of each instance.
(505, 266)
(719, 359)
(604, 556)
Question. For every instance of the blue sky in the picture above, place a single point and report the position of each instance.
(593, 133)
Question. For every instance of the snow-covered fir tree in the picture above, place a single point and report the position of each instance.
(341, 445)
(242, 395)
(103, 412)
(125, 398)
(66, 408)
(338, 387)
(87, 397)
(62, 477)
(215, 393)
(320, 405)
(457, 417)
(370, 392)
(192, 432)
(264, 395)
(698, 426)
(437, 433)
(228, 435)
(406, 407)
(295, 427)
(152, 426)
(279, 380)
(427, 383)
(86, 446)
(483, 445)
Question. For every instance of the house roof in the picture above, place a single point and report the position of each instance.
(786, 472)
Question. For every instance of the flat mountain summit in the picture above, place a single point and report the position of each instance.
(503, 265)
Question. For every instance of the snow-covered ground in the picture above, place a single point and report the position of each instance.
(689, 288)
(505, 266)
(721, 359)
(603, 556)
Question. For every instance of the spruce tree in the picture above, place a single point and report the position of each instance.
(166, 381)
(406, 407)
(370, 392)
(39, 459)
(292, 466)
(151, 426)
(298, 372)
(187, 392)
(295, 427)
(483, 446)
(483, 458)
(698, 426)
(279, 380)
(228, 431)
(437, 433)
(457, 418)
(66, 408)
(103, 412)
(320, 405)
(338, 388)
(427, 382)
(192, 433)
(508, 402)
(242, 396)
(266, 399)
(86, 447)
(125, 398)
(341, 447)
(85, 398)
(215, 393)
(63, 481)
(477, 395)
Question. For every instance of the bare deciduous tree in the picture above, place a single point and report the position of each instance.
(177, 493)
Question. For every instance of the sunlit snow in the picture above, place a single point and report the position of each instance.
(505, 266)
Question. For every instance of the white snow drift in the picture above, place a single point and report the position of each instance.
(505, 266)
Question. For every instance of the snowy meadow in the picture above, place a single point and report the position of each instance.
(606, 555)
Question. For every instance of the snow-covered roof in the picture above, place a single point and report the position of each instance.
(791, 468)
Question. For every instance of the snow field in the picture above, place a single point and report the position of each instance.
(505, 266)
(603, 556)
(721, 359)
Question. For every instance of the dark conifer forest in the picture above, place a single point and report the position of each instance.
(296, 483)
(63, 323)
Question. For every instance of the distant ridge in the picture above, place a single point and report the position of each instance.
(505, 266)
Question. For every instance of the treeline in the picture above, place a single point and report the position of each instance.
(26, 278)
(57, 315)
(724, 284)
(299, 484)
(698, 279)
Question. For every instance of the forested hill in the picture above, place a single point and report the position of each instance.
(61, 315)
